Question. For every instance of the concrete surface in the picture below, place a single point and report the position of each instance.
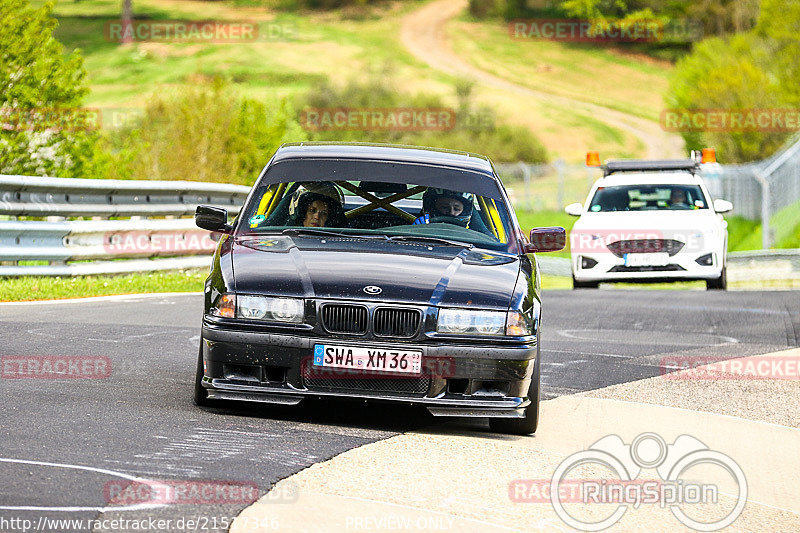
(451, 478)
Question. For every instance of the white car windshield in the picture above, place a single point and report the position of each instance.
(648, 198)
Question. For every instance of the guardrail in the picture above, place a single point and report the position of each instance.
(122, 244)
(140, 243)
(756, 265)
(72, 197)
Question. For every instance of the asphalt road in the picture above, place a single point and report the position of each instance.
(63, 441)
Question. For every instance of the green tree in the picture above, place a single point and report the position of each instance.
(757, 69)
(43, 131)
(779, 27)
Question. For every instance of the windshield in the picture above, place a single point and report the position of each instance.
(377, 208)
(648, 198)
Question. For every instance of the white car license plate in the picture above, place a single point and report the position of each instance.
(363, 358)
(657, 259)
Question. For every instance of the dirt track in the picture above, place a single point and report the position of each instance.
(423, 34)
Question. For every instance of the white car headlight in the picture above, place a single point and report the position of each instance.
(466, 322)
(268, 308)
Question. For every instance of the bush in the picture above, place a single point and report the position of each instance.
(204, 133)
(487, 8)
(476, 128)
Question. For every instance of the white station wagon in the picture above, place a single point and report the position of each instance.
(649, 221)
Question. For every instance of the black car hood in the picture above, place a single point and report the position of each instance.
(341, 267)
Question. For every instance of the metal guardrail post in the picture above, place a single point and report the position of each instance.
(559, 165)
(526, 177)
(766, 235)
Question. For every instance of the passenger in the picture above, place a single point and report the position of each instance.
(457, 206)
(317, 205)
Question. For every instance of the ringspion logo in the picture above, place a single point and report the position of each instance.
(676, 487)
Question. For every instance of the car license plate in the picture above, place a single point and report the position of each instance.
(657, 259)
(363, 358)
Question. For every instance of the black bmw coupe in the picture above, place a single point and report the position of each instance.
(376, 272)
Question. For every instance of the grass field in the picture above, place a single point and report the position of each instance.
(633, 83)
(746, 234)
(305, 50)
(344, 44)
(46, 288)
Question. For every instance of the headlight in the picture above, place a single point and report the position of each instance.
(259, 308)
(471, 322)
(466, 322)
(265, 308)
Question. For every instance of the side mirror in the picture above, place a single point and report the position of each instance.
(212, 218)
(722, 206)
(574, 209)
(551, 239)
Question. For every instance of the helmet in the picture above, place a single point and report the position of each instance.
(309, 192)
(432, 194)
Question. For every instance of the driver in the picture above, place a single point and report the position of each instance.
(317, 205)
(456, 206)
(677, 198)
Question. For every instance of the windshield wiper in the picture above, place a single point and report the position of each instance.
(432, 240)
(313, 231)
(330, 233)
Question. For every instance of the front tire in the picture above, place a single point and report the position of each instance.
(584, 284)
(720, 283)
(528, 424)
(200, 393)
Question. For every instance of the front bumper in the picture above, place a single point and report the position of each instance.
(682, 266)
(456, 380)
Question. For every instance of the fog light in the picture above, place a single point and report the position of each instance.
(587, 262)
(705, 260)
